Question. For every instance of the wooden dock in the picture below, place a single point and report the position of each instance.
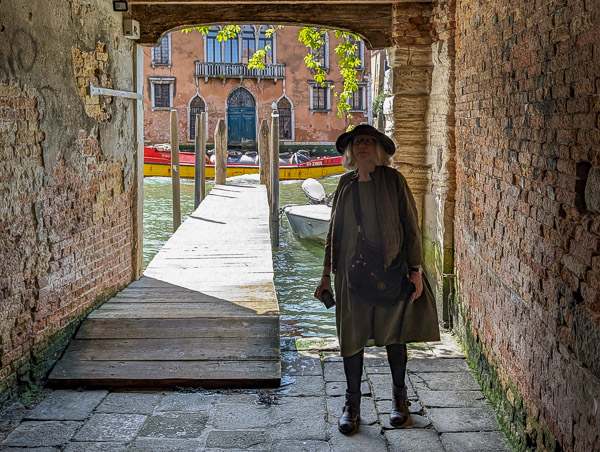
(204, 314)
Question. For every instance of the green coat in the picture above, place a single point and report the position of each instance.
(391, 216)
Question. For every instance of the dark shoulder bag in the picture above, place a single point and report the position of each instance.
(367, 277)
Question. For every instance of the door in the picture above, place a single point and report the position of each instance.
(241, 118)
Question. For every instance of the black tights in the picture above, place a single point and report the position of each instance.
(397, 358)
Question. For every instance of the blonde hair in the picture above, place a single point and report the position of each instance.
(381, 157)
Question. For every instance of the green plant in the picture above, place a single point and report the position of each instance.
(378, 103)
(314, 40)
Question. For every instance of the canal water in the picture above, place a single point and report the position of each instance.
(297, 263)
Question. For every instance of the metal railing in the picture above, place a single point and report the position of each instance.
(208, 70)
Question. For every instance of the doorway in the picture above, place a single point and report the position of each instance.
(241, 119)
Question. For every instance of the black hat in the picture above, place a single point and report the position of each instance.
(365, 129)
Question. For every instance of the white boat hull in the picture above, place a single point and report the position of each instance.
(309, 221)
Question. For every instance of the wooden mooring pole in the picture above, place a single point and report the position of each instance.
(264, 156)
(275, 175)
(175, 171)
(221, 153)
(200, 160)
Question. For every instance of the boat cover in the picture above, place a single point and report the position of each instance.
(313, 190)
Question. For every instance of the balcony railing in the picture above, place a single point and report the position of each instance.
(224, 71)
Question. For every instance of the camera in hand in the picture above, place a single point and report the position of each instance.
(327, 299)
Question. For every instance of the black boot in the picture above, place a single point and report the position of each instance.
(400, 404)
(348, 423)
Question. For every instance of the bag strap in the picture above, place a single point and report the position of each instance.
(357, 212)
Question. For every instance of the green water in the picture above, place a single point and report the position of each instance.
(297, 263)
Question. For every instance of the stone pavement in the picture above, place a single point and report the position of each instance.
(449, 412)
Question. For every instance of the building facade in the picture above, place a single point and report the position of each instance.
(194, 73)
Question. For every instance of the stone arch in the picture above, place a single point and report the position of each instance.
(372, 22)
(409, 118)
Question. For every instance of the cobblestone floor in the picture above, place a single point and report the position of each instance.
(448, 412)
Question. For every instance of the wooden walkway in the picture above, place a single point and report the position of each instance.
(205, 312)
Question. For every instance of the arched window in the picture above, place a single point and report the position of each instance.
(197, 106)
(248, 42)
(241, 98)
(213, 46)
(286, 127)
(265, 41)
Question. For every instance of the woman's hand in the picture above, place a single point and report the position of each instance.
(417, 280)
(324, 284)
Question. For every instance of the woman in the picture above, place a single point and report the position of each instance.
(389, 219)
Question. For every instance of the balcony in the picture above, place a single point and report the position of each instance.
(224, 71)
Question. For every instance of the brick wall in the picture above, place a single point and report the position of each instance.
(63, 247)
(527, 230)
(66, 178)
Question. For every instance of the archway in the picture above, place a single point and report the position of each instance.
(372, 20)
(241, 118)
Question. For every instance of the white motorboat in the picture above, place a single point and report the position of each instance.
(310, 221)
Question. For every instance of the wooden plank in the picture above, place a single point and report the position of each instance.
(220, 268)
(230, 307)
(183, 275)
(161, 283)
(168, 374)
(206, 290)
(224, 289)
(202, 250)
(190, 295)
(142, 294)
(250, 326)
(178, 298)
(180, 310)
(186, 349)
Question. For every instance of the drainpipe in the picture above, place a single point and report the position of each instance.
(369, 100)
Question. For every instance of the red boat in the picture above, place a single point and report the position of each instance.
(157, 162)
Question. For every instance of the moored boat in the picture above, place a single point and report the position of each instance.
(157, 162)
(310, 221)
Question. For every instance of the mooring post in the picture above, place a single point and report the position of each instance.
(175, 171)
(200, 160)
(275, 174)
(264, 156)
(138, 186)
(221, 152)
